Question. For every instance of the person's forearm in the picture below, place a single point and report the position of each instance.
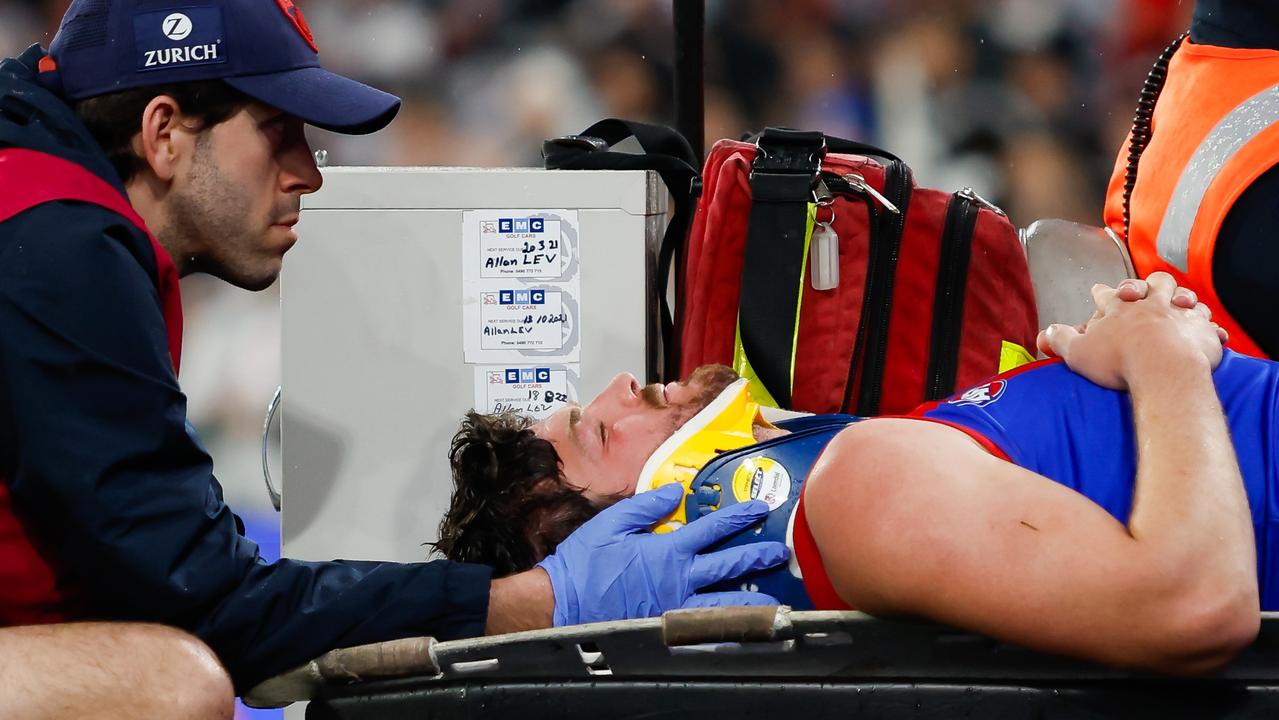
(520, 602)
(1189, 503)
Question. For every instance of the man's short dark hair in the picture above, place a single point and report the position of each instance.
(114, 119)
(510, 506)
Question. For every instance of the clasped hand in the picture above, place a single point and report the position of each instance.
(1139, 321)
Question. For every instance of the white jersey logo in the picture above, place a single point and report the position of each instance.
(982, 395)
(177, 26)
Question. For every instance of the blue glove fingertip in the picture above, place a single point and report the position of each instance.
(670, 489)
(767, 555)
(669, 495)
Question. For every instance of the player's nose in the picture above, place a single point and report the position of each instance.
(621, 393)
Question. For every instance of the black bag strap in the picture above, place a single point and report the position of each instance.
(785, 170)
(837, 145)
(786, 166)
(670, 155)
(853, 147)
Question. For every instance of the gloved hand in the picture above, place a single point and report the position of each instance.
(613, 568)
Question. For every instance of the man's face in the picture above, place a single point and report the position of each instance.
(236, 198)
(603, 445)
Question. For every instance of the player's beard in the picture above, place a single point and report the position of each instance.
(712, 380)
(709, 381)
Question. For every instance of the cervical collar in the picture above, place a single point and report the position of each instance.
(725, 424)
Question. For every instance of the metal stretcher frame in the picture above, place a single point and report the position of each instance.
(759, 663)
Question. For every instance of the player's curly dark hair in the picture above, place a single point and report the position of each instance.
(510, 505)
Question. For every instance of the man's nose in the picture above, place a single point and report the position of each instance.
(299, 171)
(618, 395)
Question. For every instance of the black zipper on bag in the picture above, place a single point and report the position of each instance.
(948, 301)
(880, 276)
(860, 343)
(844, 185)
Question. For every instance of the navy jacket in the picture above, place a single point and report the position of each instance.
(98, 452)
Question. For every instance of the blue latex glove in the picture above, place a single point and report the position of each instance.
(612, 568)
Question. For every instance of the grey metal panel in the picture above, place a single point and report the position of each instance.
(374, 382)
(478, 188)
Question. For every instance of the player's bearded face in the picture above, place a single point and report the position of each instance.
(604, 444)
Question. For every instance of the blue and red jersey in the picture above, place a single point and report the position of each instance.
(1042, 417)
(1049, 420)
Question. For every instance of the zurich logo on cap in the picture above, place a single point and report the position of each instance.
(262, 48)
(177, 26)
(168, 40)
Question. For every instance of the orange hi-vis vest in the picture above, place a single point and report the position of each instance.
(1215, 129)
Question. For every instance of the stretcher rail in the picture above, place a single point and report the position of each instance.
(723, 644)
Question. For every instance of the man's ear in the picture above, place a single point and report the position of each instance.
(163, 138)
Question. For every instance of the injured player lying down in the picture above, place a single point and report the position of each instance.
(1092, 507)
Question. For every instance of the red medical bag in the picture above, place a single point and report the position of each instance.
(839, 285)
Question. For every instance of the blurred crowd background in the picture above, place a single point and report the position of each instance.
(1027, 101)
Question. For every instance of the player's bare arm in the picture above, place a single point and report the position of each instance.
(957, 534)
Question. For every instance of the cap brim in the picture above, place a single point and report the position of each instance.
(323, 99)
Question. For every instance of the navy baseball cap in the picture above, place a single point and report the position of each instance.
(263, 48)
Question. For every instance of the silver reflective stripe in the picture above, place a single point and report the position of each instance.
(1244, 123)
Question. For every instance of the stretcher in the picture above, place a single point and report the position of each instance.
(764, 663)
(774, 662)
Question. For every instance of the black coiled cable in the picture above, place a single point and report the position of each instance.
(1141, 132)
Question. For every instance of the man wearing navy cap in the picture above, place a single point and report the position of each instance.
(153, 140)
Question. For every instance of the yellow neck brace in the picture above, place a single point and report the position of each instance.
(727, 423)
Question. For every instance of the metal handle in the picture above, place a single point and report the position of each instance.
(726, 624)
(266, 433)
(394, 658)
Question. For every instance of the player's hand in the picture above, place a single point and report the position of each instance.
(1152, 319)
(1131, 290)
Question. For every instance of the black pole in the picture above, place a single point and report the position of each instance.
(690, 36)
